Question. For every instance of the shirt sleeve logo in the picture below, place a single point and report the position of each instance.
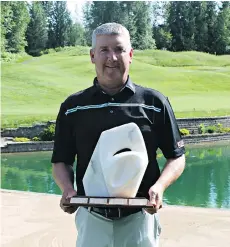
(180, 144)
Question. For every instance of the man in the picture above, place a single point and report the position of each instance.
(86, 114)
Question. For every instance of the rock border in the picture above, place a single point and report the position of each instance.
(19, 147)
(188, 123)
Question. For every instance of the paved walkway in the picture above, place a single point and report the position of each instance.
(33, 219)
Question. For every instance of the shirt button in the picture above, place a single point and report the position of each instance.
(112, 99)
(111, 111)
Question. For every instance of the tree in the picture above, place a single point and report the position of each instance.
(76, 35)
(162, 37)
(222, 30)
(87, 20)
(61, 23)
(48, 7)
(201, 28)
(37, 33)
(211, 17)
(143, 36)
(161, 32)
(133, 15)
(6, 23)
(181, 23)
(14, 21)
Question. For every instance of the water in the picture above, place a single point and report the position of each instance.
(205, 181)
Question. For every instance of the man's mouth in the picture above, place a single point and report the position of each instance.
(111, 67)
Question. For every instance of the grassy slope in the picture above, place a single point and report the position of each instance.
(197, 84)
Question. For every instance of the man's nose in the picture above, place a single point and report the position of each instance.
(112, 56)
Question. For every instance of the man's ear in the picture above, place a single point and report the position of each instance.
(92, 55)
(131, 55)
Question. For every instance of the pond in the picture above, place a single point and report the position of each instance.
(204, 183)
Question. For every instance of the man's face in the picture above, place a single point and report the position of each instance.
(112, 56)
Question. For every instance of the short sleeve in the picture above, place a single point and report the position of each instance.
(64, 141)
(169, 137)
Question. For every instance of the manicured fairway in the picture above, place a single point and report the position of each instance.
(197, 84)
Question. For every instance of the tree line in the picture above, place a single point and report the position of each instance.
(38, 26)
(175, 26)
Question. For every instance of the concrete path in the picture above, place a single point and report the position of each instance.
(33, 219)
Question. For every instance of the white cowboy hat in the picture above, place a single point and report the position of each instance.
(118, 163)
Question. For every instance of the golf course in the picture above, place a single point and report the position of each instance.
(197, 84)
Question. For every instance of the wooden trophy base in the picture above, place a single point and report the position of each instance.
(121, 202)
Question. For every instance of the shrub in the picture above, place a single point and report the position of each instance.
(48, 51)
(218, 128)
(14, 57)
(21, 139)
(36, 139)
(225, 130)
(58, 49)
(211, 129)
(201, 129)
(184, 132)
(48, 133)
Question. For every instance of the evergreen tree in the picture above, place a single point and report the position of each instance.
(48, 7)
(222, 30)
(211, 18)
(61, 23)
(87, 20)
(176, 25)
(162, 37)
(201, 28)
(181, 22)
(133, 15)
(37, 33)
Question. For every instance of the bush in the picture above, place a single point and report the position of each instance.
(201, 129)
(184, 132)
(211, 129)
(14, 57)
(48, 51)
(58, 49)
(225, 130)
(36, 139)
(21, 139)
(48, 133)
(218, 128)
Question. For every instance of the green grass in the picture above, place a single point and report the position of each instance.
(197, 84)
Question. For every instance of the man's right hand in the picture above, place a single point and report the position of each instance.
(67, 194)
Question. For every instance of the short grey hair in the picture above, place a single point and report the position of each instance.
(110, 29)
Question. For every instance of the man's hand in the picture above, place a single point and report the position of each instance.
(155, 198)
(67, 194)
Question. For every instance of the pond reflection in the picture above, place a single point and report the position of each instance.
(205, 181)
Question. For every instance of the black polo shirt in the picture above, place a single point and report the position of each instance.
(84, 115)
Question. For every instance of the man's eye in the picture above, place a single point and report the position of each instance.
(120, 49)
(104, 49)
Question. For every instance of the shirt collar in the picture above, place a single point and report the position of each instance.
(129, 84)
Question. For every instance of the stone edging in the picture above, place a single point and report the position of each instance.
(195, 139)
(16, 147)
(188, 123)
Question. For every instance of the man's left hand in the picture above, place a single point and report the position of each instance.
(155, 198)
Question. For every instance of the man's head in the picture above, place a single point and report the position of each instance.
(112, 54)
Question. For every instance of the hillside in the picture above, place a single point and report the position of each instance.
(197, 84)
